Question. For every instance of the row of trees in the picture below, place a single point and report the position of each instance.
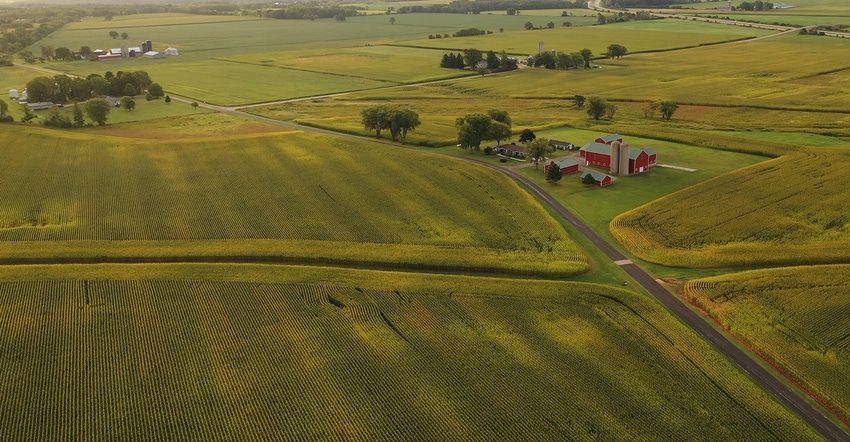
(63, 89)
(757, 5)
(398, 120)
(475, 7)
(473, 57)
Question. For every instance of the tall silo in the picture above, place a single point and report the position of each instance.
(615, 157)
(624, 158)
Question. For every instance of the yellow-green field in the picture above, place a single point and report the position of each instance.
(222, 358)
(289, 195)
(786, 211)
(795, 317)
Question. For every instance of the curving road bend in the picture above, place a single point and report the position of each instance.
(826, 427)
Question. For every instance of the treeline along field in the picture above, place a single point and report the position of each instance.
(795, 317)
(786, 211)
(212, 360)
(316, 196)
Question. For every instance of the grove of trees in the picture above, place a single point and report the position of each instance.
(64, 89)
(398, 120)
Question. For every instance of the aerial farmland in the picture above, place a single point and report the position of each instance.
(302, 222)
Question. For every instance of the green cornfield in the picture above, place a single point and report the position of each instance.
(178, 359)
(786, 211)
(794, 317)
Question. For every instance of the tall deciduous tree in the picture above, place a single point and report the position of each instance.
(596, 107)
(499, 131)
(472, 129)
(402, 120)
(472, 56)
(375, 118)
(616, 51)
(128, 103)
(97, 109)
(113, 34)
(500, 115)
(538, 149)
(586, 56)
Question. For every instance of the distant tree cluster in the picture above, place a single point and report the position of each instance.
(616, 51)
(621, 17)
(398, 120)
(625, 4)
(561, 60)
(473, 58)
(665, 107)
(757, 5)
(62, 88)
(471, 32)
(307, 12)
(475, 7)
(598, 107)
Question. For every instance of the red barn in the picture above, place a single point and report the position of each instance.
(641, 159)
(567, 166)
(596, 154)
(608, 139)
(601, 179)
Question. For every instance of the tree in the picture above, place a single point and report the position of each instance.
(97, 109)
(563, 61)
(168, 99)
(511, 11)
(339, 17)
(155, 90)
(402, 120)
(649, 109)
(79, 120)
(375, 118)
(545, 59)
(194, 104)
(586, 56)
(62, 54)
(507, 63)
(41, 89)
(588, 179)
(526, 135)
(596, 107)
(130, 90)
(29, 115)
(667, 108)
(47, 52)
(528, 26)
(499, 131)
(538, 149)
(124, 35)
(85, 51)
(113, 34)
(4, 109)
(500, 115)
(616, 51)
(128, 103)
(472, 129)
(578, 60)
(610, 110)
(148, 96)
(472, 56)
(578, 100)
(492, 60)
(550, 25)
(554, 174)
(392, 20)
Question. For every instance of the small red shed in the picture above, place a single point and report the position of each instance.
(567, 165)
(601, 179)
(608, 139)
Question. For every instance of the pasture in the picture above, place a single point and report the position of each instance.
(794, 317)
(786, 211)
(289, 195)
(224, 358)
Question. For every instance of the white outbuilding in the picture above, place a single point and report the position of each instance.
(154, 54)
(171, 51)
(13, 94)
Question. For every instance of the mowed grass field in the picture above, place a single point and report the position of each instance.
(795, 317)
(470, 358)
(786, 211)
(291, 195)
